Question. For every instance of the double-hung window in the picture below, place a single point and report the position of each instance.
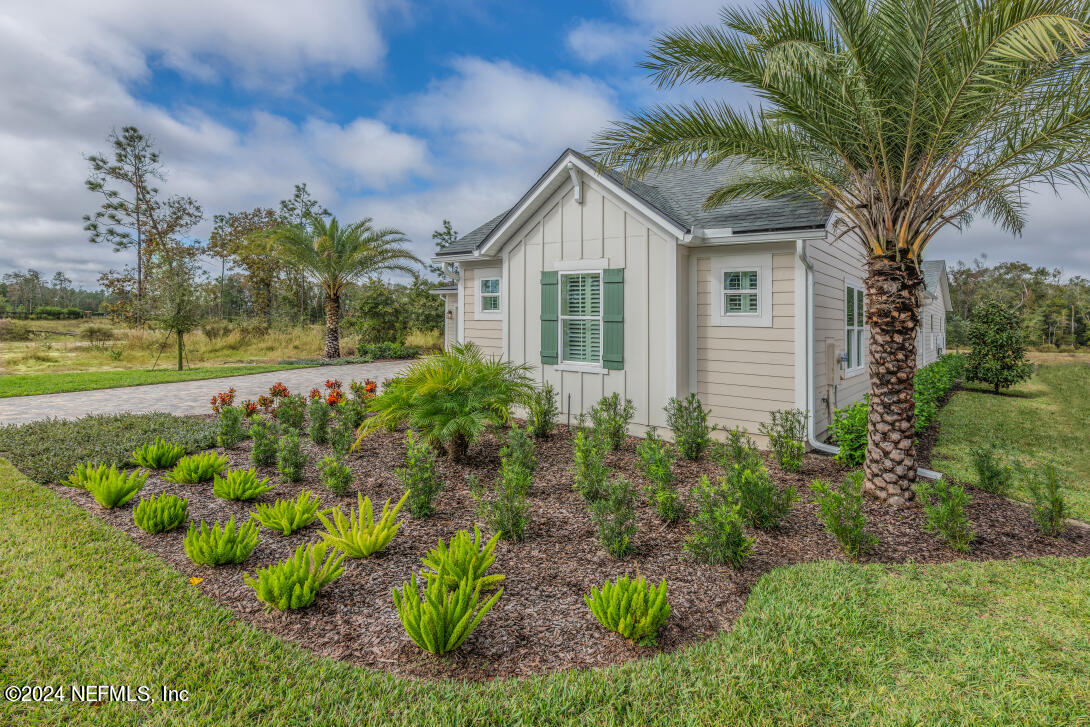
(854, 326)
(490, 294)
(581, 317)
(741, 292)
(489, 299)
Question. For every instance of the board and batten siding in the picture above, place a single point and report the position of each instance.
(604, 229)
(745, 372)
(488, 334)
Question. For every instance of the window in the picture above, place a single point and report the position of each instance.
(581, 317)
(740, 292)
(490, 294)
(854, 326)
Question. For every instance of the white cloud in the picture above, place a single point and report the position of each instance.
(595, 41)
(368, 151)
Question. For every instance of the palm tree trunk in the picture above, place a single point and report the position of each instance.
(893, 317)
(332, 326)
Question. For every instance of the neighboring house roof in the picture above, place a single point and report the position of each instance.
(935, 280)
(678, 194)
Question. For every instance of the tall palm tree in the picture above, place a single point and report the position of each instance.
(905, 116)
(336, 256)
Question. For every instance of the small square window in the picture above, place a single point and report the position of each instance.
(490, 295)
(741, 294)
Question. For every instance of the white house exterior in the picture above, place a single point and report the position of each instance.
(611, 285)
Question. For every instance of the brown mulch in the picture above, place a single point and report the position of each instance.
(541, 622)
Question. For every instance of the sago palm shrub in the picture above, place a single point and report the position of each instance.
(450, 399)
(902, 118)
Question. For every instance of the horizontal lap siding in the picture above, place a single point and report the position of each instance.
(743, 373)
(925, 352)
(486, 334)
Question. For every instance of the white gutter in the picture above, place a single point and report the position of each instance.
(811, 440)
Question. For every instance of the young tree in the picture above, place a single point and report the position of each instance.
(998, 355)
(132, 214)
(337, 256)
(443, 239)
(176, 305)
(904, 117)
(236, 237)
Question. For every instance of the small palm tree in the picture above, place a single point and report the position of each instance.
(905, 116)
(336, 256)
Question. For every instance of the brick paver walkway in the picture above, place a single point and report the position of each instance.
(183, 397)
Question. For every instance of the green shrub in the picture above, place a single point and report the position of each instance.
(688, 419)
(786, 434)
(944, 512)
(441, 620)
(993, 474)
(631, 608)
(463, 559)
(1049, 508)
(335, 475)
(47, 450)
(717, 526)
(218, 545)
(506, 510)
(997, 355)
(197, 468)
(231, 430)
(451, 398)
(359, 535)
(763, 504)
(420, 476)
(614, 517)
(320, 414)
(841, 510)
(242, 485)
(849, 432)
(353, 412)
(157, 456)
(542, 411)
(287, 516)
(291, 461)
(932, 383)
(160, 514)
(112, 488)
(295, 582)
(291, 412)
(265, 434)
(609, 419)
(737, 450)
(589, 471)
(341, 436)
(655, 460)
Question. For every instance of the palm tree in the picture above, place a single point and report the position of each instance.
(905, 116)
(336, 256)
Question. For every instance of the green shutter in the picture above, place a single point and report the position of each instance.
(550, 299)
(613, 318)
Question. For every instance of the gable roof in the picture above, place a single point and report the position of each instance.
(936, 280)
(677, 195)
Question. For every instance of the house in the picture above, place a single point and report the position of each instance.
(607, 284)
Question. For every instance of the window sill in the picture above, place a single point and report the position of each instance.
(581, 368)
(852, 373)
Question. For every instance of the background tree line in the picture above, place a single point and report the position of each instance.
(1054, 310)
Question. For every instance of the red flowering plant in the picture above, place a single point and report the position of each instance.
(335, 397)
(278, 390)
(315, 393)
(333, 383)
(222, 400)
(265, 402)
(250, 407)
(363, 391)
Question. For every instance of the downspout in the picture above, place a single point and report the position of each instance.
(811, 440)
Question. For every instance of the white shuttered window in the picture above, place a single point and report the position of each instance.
(581, 317)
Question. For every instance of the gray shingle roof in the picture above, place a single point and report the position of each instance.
(679, 194)
(931, 270)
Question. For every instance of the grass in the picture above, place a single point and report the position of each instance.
(1043, 420)
(47, 450)
(54, 383)
(829, 643)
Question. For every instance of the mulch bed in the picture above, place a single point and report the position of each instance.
(541, 622)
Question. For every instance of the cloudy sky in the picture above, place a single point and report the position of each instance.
(406, 111)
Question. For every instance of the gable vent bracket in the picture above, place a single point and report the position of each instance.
(577, 181)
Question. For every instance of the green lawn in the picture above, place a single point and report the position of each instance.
(831, 643)
(26, 384)
(1046, 419)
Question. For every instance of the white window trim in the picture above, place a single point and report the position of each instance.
(850, 370)
(482, 274)
(731, 263)
(583, 366)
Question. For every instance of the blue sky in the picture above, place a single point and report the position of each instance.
(406, 111)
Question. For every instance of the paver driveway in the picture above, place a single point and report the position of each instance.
(183, 397)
